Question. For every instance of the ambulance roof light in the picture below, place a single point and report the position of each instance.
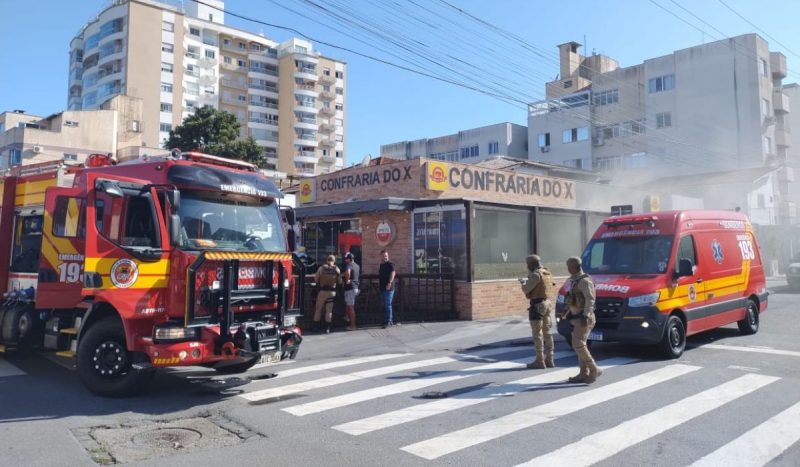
(198, 156)
(631, 220)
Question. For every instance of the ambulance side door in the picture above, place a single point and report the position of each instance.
(692, 284)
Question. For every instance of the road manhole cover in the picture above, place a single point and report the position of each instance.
(162, 438)
(141, 441)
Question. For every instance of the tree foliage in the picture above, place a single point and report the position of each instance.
(214, 132)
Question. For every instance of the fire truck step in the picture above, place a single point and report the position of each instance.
(66, 353)
(73, 331)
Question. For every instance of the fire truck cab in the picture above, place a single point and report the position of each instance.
(157, 262)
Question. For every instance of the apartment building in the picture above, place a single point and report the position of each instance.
(714, 107)
(474, 145)
(287, 96)
(73, 134)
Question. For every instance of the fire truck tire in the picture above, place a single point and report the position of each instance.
(674, 341)
(749, 325)
(104, 363)
(238, 367)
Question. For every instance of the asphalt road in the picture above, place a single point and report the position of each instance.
(374, 397)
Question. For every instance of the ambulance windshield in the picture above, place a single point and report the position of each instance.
(231, 224)
(628, 255)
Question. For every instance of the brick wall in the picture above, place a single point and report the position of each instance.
(399, 250)
(495, 299)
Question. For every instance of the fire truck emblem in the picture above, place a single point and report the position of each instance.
(124, 273)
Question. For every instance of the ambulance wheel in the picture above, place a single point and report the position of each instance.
(104, 363)
(674, 341)
(237, 367)
(749, 325)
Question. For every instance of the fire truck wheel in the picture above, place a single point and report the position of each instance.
(749, 325)
(674, 341)
(104, 363)
(238, 367)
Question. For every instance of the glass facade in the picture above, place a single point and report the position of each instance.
(440, 242)
(337, 237)
(502, 239)
(559, 236)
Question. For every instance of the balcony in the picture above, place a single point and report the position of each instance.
(233, 101)
(305, 140)
(192, 55)
(329, 159)
(328, 79)
(306, 123)
(780, 102)
(327, 142)
(304, 172)
(308, 74)
(305, 107)
(208, 80)
(195, 73)
(234, 84)
(263, 71)
(782, 138)
(777, 63)
(306, 157)
(264, 122)
(328, 95)
(266, 105)
(207, 62)
(328, 111)
(326, 127)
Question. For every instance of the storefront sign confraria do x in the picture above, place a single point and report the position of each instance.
(456, 180)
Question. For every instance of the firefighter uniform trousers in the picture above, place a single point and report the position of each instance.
(327, 278)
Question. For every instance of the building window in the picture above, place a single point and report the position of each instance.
(167, 47)
(573, 135)
(662, 83)
(339, 91)
(339, 123)
(166, 67)
(166, 87)
(326, 71)
(166, 107)
(504, 239)
(544, 140)
(2, 127)
(167, 26)
(762, 67)
(339, 138)
(226, 42)
(558, 236)
(210, 54)
(194, 31)
(663, 119)
(767, 145)
(70, 157)
(470, 151)
(166, 127)
(440, 244)
(339, 107)
(334, 237)
(227, 59)
(14, 157)
(494, 148)
(764, 107)
(606, 97)
(242, 46)
(136, 126)
(340, 74)
(241, 63)
(189, 105)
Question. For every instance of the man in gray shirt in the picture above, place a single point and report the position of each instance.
(352, 273)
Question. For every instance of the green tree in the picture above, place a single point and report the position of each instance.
(214, 132)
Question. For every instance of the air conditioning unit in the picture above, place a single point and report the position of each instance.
(545, 148)
(37, 149)
(599, 141)
(769, 121)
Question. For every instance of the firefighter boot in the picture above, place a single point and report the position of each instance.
(594, 372)
(537, 364)
(581, 376)
(548, 360)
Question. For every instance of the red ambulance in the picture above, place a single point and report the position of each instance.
(664, 276)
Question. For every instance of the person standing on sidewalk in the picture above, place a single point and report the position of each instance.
(580, 311)
(538, 288)
(352, 272)
(386, 278)
(327, 278)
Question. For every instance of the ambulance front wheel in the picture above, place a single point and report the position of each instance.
(674, 341)
(749, 325)
(104, 363)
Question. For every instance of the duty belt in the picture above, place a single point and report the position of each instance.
(537, 301)
(328, 288)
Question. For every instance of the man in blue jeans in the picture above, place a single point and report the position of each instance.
(386, 277)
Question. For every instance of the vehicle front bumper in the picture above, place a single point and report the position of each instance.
(640, 325)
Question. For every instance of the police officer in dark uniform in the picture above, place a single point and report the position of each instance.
(537, 288)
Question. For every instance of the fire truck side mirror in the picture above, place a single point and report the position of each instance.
(110, 188)
(290, 236)
(174, 230)
(289, 215)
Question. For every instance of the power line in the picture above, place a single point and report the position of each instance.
(758, 29)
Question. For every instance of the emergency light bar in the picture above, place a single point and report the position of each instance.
(617, 222)
(197, 156)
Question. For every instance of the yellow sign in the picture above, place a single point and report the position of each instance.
(436, 176)
(308, 190)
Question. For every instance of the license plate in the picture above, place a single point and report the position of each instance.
(595, 335)
(270, 357)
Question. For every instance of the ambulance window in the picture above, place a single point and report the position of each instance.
(68, 217)
(686, 250)
(27, 244)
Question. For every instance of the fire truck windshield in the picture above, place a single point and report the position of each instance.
(231, 224)
(628, 255)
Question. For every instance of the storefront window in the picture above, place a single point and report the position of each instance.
(559, 238)
(440, 242)
(332, 238)
(502, 241)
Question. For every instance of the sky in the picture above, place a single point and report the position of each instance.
(506, 47)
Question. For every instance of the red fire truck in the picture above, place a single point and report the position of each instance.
(162, 261)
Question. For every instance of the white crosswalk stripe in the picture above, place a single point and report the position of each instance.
(606, 443)
(406, 386)
(455, 441)
(7, 369)
(460, 401)
(338, 364)
(759, 445)
(350, 377)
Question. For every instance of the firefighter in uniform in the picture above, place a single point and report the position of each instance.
(327, 278)
(580, 311)
(538, 288)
